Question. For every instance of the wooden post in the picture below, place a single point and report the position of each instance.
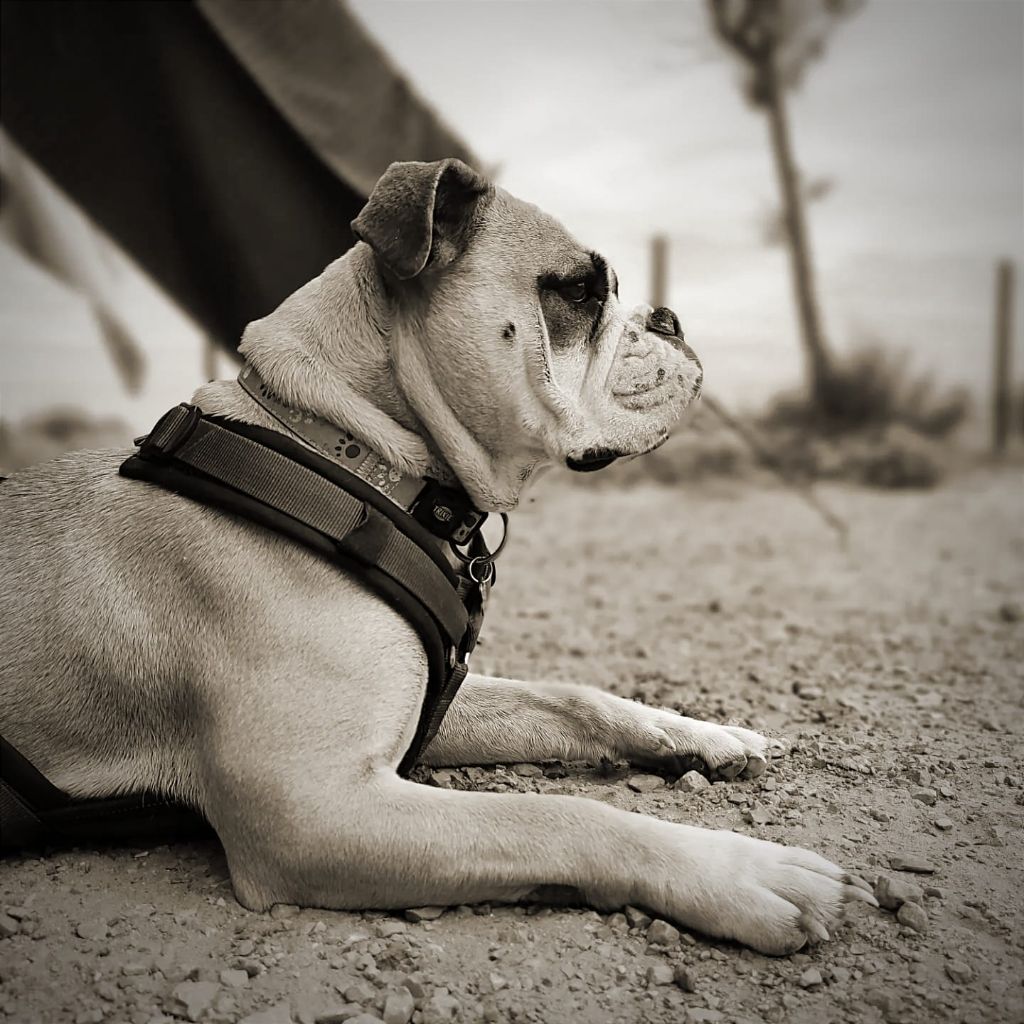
(1002, 397)
(659, 271)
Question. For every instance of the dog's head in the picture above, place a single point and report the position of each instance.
(522, 324)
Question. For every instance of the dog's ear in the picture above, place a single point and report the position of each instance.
(420, 214)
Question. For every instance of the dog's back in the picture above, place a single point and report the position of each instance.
(88, 576)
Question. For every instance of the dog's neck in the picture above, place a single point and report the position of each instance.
(329, 350)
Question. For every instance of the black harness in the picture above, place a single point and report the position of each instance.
(270, 479)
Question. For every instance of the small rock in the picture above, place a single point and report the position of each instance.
(358, 992)
(8, 926)
(892, 893)
(943, 823)
(840, 975)
(811, 978)
(913, 916)
(645, 783)
(280, 1013)
(413, 983)
(95, 930)
(925, 796)
(441, 1006)
(398, 1007)
(702, 1015)
(311, 1006)
(805, 692)
(528, 771)
(911, 862)
(618, 923)
(959, 972)
(760, 816)
(683, 978)
(234, 978)
(1010, 611)
(338, 1014)
(90, 1017)
(364, 1018)
(284, 911)
(194, 997)
(882, 999)
(692, 782)
(250, 966)
(660, 974)
(933, 891)
(661, 933)
(386, 929)
(636, 917)
(443, 779)
(419, 914)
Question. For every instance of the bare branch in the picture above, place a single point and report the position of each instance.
(745, 35)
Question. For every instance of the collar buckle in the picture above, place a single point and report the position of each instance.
(447, 513)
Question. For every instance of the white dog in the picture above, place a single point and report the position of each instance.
(152, 643)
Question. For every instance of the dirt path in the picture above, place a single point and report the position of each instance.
(894, 667)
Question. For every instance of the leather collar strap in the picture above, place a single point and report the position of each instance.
(446, 511)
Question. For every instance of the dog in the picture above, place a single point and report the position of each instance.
(154, 644)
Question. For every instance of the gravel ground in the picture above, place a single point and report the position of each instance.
(893, 667)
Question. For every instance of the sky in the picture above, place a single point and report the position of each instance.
(626, 120)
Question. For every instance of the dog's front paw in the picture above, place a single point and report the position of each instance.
(773, 898)
(668, 742)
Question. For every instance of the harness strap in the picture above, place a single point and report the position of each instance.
(273, 479)
(24, 793)
(225, 464)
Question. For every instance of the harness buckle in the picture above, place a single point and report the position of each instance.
(467, 558)
(172, 430)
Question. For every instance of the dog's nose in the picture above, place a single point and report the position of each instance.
(663, 321)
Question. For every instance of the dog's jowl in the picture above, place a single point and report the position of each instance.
(160, 638)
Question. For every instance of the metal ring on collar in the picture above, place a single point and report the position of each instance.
(480, 569)
(467, 559)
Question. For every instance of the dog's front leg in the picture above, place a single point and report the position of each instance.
(388, 843)
(503, 720)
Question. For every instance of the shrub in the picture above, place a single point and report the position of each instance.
(898, 458)
(872, 388)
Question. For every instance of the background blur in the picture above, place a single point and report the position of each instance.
(626, 120)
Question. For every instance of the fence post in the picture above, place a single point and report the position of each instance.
(659, 271)
(1002, 391)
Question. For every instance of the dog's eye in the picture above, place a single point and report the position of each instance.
(575, 292)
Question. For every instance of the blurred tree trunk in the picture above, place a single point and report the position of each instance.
(815, 350)
(775, 40)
